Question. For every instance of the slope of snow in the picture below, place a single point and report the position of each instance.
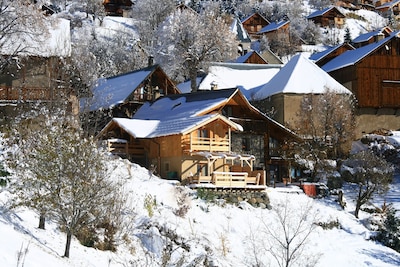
(228, 235)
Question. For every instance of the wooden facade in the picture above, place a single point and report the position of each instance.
(254, 23)
(330, 17)
(117, 7)
(214, 151)
(331, 54)
(34, 79)
(375, 80)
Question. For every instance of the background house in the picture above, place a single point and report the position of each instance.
(253, 24)
(117, 7)
(328, 17)
(282, 95)
(371, 73)
(371, 37)
(323, 57)
(36, 72)
(122, 95)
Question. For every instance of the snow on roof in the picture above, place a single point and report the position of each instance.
(320, 55)
(319, 12)
(273, 26)
(141, 128)
(366, 36)
(388, 4)
(247, 77)
(112, 91)
(300, 76)
(56, 43)
(184, 87)
(183, 105)
(238, 29)
(351, 57)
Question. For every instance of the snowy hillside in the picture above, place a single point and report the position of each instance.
(217, 233)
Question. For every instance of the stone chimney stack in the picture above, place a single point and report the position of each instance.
(214, 85)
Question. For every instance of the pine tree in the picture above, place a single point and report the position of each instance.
(347, 36)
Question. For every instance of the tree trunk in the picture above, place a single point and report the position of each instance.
(358, 206)
(68, 244)
(42, 221)
(193, 79)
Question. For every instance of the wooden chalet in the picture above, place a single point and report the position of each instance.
(37, 73)
(253, 24)
(372, 73)
(328, 17)
(387, 9)
(252, 57)
(206, 138)
(276, 31)
(371, 37)
(117, 7)
(323, 57)
(122, 95)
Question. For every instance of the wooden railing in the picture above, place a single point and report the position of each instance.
(8, 93)
(207, 144)
(122, 147)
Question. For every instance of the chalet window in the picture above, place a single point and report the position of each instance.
(246, 144)
(166, 165)
(203, 133)
(202, 169)
(273, 147)
(227, 111)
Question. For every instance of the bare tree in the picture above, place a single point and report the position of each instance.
(288, 232)
(326, 122)
(371, 174)
(18, 23)
(149, 15)
(188, 41)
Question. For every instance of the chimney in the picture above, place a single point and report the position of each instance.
(214, 85)
(150, 61)
(379, 36)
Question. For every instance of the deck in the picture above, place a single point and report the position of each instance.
(230, 180)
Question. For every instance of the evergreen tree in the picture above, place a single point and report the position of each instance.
(347, 36)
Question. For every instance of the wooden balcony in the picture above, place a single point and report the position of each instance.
(207, 144)
(122, 147)
(8, 93)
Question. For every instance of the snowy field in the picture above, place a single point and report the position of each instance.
(221, 234)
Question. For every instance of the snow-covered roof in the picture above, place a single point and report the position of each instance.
(273, 26)
(183, 105)
(238, 29)
(142, 128)
(57, 42)
(351, 57)
(112, 91)
(247, 77)
(366, 36)
(320, 55)
(300, 76)
(388, 4)
(321, 12)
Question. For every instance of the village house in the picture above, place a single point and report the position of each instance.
(36, 72)
(388, 9)
(276, 31)
(371, 37)
(329, 17)
(210, 137)
(121, 95)
(243, 38)
(371, 72)
(253, 24)
(323, 57)
(282, 95)
(120, 8)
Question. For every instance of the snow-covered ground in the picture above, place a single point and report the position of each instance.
(224, 234)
